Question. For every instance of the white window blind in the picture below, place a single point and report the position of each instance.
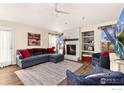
(52, 40)
(5, 48)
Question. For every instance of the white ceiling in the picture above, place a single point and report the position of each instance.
(44, 16)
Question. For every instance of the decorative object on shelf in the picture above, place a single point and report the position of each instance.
(88, 45)
(88, 41)
(33, 39)
(90, 48)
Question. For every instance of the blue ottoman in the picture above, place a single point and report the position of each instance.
(56, 57)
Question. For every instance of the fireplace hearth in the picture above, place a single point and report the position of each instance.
(71, 50)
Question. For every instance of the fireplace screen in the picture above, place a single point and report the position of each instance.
(71, 49)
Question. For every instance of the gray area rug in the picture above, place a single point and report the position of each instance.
(47, 73)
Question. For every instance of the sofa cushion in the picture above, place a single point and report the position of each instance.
(111, 78)
(86, 81)
(50, 50)
(98, 69)
(37, 53)
(73, 79)
(44, 51)
(37, 50)
(35, 58)
(25, 53)
(55, 55)
(97, 77)
(30, 51)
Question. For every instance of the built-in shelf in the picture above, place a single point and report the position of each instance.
(72, 39)
(88, 37)
(87, 51)
(88, 41)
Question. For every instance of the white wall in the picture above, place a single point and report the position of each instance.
(71, 33)
(20, 35)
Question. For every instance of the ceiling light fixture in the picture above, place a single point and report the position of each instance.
(59, 11)
(82, 21)
(66, 23)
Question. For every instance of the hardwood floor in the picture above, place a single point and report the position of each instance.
(8, 77)
(85, 69)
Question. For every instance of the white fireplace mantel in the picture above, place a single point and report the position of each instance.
(73, 34)
(72, 57)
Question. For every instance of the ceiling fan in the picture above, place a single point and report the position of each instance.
(59, 11)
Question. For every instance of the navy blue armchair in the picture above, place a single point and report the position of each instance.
(101, 60)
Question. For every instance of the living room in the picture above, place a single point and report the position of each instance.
(56, 43)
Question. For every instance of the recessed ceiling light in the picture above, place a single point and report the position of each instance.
(66, 23)
(83, 18)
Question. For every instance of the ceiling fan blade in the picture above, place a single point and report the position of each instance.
(56, 6)
(59, 11)
(64, 12)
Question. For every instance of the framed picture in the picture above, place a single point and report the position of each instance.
(33, 39)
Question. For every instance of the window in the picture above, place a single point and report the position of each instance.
(106, 40)
(5, 48)
(52, 40)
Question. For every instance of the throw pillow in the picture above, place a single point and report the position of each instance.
(106, 53)
(50, 50)
(25, 53)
